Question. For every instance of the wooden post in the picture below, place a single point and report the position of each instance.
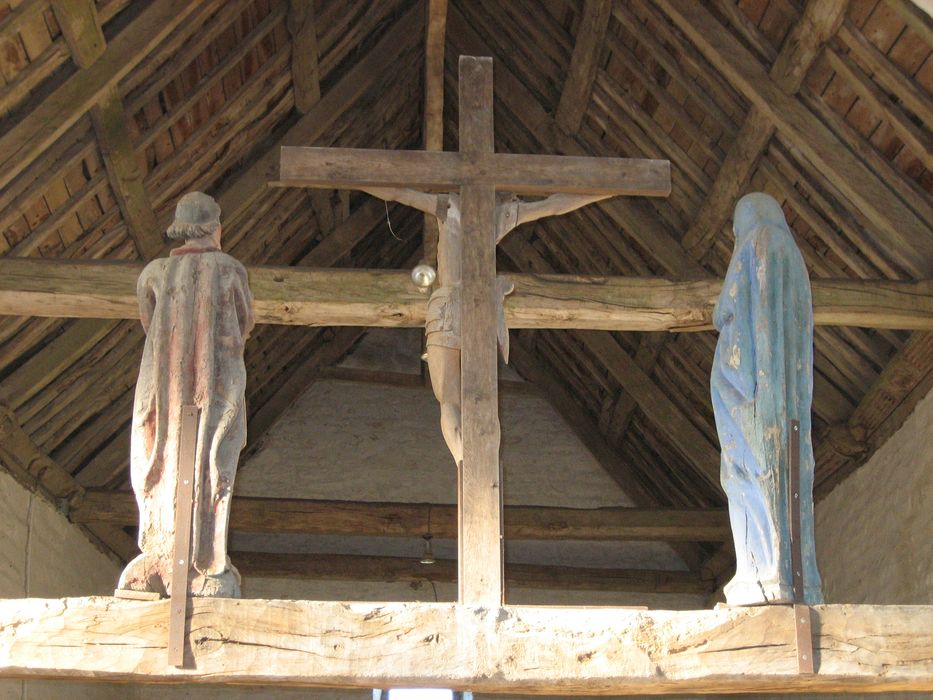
(480, 518)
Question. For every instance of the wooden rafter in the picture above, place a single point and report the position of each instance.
(904, 235)
(306, 73)
(547, 650)
(583, 64)
(22, 144)
(801, 48)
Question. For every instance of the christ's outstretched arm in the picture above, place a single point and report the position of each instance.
(513, 213)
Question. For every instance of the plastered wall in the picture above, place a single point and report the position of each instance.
(43, 556)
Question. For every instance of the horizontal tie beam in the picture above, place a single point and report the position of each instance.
(339, 297)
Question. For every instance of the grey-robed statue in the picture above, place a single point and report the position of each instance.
(762, 379)
(196, 309)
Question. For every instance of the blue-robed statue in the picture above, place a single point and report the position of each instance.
(762, 379)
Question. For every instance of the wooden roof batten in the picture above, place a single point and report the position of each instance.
(639, 369)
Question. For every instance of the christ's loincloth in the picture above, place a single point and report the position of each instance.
(442, 318)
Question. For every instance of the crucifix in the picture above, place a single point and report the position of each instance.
(475, 174)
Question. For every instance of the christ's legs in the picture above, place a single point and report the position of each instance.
(444, 366)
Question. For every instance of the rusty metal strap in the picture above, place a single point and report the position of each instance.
(181, 564)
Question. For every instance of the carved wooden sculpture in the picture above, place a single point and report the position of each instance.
(196, 309)
(442, 326)
(762, 379)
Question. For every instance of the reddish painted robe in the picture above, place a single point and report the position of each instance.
(196, 309)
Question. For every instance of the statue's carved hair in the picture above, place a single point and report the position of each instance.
(185, 232)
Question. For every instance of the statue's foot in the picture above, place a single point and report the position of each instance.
(222, 585)
(143, 574)
(754, 592)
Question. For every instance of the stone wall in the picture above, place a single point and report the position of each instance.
(43, 556)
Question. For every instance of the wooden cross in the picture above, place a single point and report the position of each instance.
(478, 172)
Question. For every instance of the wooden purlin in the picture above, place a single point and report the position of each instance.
(387, 569)
(250, 514)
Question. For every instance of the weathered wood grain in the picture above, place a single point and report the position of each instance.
(251, 514)
(545, 650)
(479, 491)
(306, 73)
(81, 28)
(335, 297)
(583, 64)
(443, 170)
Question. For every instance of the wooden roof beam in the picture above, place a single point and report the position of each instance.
(85, 38)
(306, 73)
(433, 131)
(545, 650)
(584, 61)
(348, 567)
(316, 517)
(818, 24)
(347, 297)
(22, 144)
(907, 238)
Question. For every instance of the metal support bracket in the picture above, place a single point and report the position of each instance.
(803, 631)
(181, 564)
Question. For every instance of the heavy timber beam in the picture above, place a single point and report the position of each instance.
(513, 649)
(351, 567)
(416, 519)
(318, 297)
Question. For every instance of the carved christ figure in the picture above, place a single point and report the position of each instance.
(762, 379)
(196, 309)
(442, 327)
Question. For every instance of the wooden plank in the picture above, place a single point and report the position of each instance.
(480, 559)
(347, 297)
(513, 649)
(81, 29)
(306, 73)
(251, 514)
(126, 174)
(437, 170)
(583, 64)
(23, 143)
(819, 23)
(348, 567)
(908, 239)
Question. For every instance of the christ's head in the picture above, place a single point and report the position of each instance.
(197, 216)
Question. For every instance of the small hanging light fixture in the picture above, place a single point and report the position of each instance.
(428, 556)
